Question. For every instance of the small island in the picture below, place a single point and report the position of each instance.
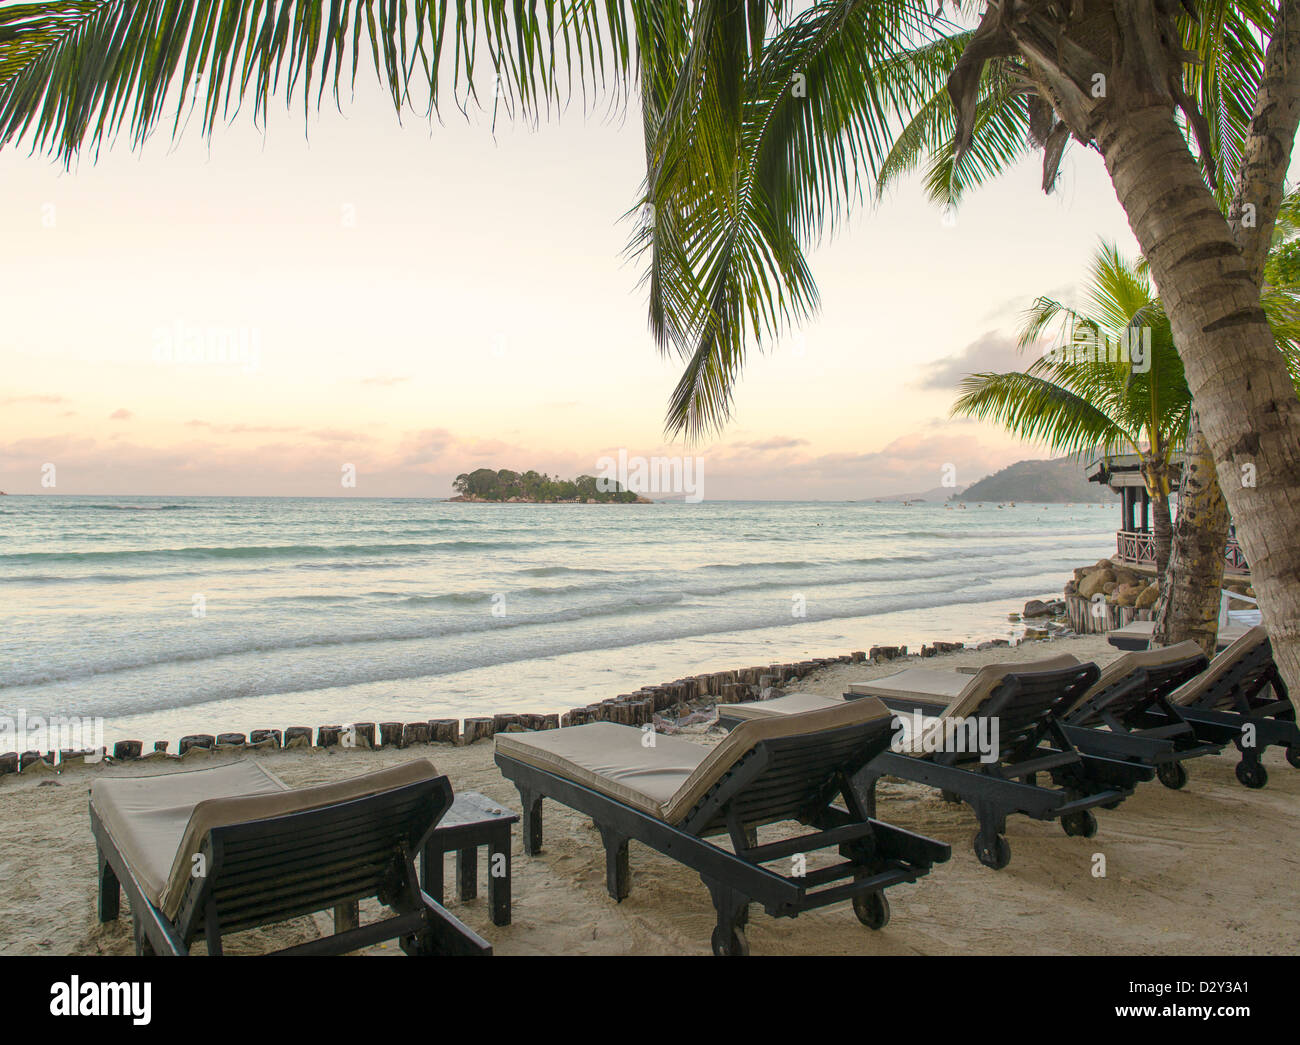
(484, 486)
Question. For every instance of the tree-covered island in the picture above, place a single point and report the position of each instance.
(507, 487)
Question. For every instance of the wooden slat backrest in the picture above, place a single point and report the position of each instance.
(270, 870)
(795, 776)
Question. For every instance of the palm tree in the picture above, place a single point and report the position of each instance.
(1111, 382)
(761, 120)
(1189, 596)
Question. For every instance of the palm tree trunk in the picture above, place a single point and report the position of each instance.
(1189, 596)
(1162, 532)
(1156, 476)
(1248, 408)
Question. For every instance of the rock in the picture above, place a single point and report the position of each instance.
(1125, 597)
(1147, 597)
(1109, 587)
(1095, 582)
(1057, 607)
(1071, 587)
(1036, 608)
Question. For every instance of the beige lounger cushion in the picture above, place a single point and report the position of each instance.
(1144, 629)
(1123, 666)
(159, 822)
(668, 779)
(790, 704)
(952, 694)
(1190, 692)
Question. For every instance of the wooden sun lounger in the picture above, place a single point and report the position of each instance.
(1241, 699)
(1136, 636)
(674, 796)
(1025, 700)
(1114, 717)
(211, 852)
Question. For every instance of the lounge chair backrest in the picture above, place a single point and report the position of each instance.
(776, 768)
(306, 849)
(1159, 666)
(984, 683)
(1025, 702)
(1242, 666)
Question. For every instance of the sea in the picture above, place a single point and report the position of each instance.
(163, 616)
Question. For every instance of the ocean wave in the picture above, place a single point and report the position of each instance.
(271, 671)
(270, 551)
(484, 622)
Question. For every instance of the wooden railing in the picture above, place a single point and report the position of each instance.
(1137, 547)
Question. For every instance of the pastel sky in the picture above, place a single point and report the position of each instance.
(418, 301)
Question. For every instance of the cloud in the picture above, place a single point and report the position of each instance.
(777, 442)
(338, 435)
(44, 400)
(991, 353)
(242, 429)
(121, 414)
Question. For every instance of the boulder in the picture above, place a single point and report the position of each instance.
(1147, 597)
(1094, 582)
(1036, 608)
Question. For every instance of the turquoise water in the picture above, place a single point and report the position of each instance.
(173, 615)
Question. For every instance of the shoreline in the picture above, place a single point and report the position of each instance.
(649, 704)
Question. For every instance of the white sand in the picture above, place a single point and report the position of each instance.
(1209, 869)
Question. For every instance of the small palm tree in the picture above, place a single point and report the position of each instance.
(1111, 381)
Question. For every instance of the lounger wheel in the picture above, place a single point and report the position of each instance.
(872, 909)
(1293, 755)
(1172, 774)
(996, 854)
(1253, 775)
(730, 942)
(1082, 824)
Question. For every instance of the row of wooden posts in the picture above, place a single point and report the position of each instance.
(632, 709)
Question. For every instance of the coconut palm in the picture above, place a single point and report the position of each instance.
(1111, 381)
(763, 117)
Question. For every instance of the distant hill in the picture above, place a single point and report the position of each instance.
(938, 493)
(1046, 482)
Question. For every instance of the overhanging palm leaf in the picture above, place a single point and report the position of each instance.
(1039, 410)
(72, 73)
(734, 199)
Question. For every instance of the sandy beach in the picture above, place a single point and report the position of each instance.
(1195, 871)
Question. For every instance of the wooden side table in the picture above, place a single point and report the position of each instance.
(473, 820)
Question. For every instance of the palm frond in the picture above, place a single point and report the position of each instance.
(77, 74)
(1041, 411)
